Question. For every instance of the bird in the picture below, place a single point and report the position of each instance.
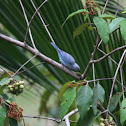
(66, 59)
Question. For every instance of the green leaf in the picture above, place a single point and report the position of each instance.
(74, 13)
(91, 28)
(114, 101)
(63, 89)
(107, 16)
(98, 94)
(102, 28)
(114, 24)
(2, 116)
(116, 117)
(5, 75)
(68, 98)
(79, 29)
(4, 81)
(44, 100)
(123, 111)
(1, 90)
(85, 17)
(84, 99)
(87, 120)
(13, 122)
(124, 12)
(123, 29)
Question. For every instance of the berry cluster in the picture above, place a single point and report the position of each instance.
(90, 6)
(15, 87)
(104, 123)
(15, 112)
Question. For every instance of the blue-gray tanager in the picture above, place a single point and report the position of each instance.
(66, 59)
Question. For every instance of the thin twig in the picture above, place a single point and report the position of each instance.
(27, 25)
(93, 74)
(114, 79)
(42, 22)
(6, 72)
(121, 85)
(118, 7)
(123, 61)
(66, 117)
(108, 56)
(122, 82)
(24, 65)
(48, 118)
(41, 117)
(113, 51)
(102, 109)
(99, 43)
(105, 6)
(122, 76)
(30, 68)
(92, 58)
(103, 79)
(100, 79)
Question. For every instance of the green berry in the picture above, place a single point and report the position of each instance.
(10, 86)
(21, 82)
(105, 120)
(11, 89)
(110, 119)
(11, 79)
(102, 124)
(16, 88)
(22, 86)
(112, 123)
(17, 84)
(101, 119)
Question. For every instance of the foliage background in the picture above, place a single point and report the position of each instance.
(45, 78)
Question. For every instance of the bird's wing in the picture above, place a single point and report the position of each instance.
(65, 58)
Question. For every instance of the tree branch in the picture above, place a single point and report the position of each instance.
(41, 117)
(93, 73)
(30, 68)
(23, 65)
(115, 50)
(108, 56)
(105, 6)
(30, 34)
(92, 57)
(28, 25)
(118, 8)
(48, 118)
(114, 79)
(66, 117)
(36, 10)
(5, 72)
(40, 55)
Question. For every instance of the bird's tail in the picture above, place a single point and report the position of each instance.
(54, 45)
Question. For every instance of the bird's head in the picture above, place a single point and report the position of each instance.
(76, 67)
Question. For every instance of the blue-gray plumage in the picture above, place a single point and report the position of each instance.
(66, 59)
